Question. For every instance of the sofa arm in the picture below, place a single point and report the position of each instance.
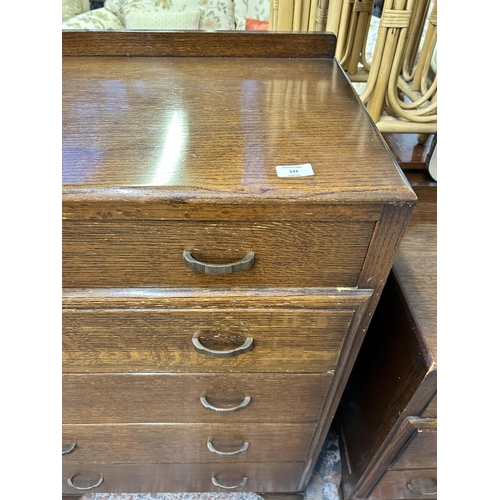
(98, 19)
(71, 8)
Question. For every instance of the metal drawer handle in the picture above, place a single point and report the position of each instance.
(216, 483)
(69, 449)
(99, 481)
(230, 453)
(413, 490)
(242, 349)
(242, 265)
(242, 405)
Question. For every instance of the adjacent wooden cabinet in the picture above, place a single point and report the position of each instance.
(388, 412)
(212, 310)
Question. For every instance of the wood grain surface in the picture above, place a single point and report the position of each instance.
(150, 254)
(421, 450)
(394, 485)
(149, 128)
(145, 340)
(415, 268)
(409, 153)
(206, 298)
(196, 43)
(140, 398)
(185, 443)
(152, 478)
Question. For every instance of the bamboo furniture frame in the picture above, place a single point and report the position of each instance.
(401, 87)
(399, 94)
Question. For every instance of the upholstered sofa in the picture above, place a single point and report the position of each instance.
(167, 14)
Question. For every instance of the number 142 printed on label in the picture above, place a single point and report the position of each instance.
(294, 170)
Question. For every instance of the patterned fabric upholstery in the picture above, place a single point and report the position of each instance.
(215, 14)
(163, 20)
(71, 8)
(98, 19)
(250, 9)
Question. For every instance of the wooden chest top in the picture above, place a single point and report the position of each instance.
(213, 129)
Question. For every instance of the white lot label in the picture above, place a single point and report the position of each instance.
(294, 170)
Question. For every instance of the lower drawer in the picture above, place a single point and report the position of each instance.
(259, 478)
(185, 443)
(420, 451)
(180, 398)
(402, 484)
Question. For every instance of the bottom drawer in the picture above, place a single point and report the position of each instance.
(259, 478)
(418, 483)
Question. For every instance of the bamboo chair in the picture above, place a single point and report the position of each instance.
(298, 15)
(398, 94)
(350, 21)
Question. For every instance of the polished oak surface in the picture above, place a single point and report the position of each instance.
(194, 129)
(410, 154)
(196, 43)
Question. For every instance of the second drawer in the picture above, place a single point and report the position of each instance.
(164, 340)
(185, 443)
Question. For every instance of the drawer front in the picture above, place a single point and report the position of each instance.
(181, 478)
(150, 253)
(134, 340)
(420, 483)
(185, 443)
(420, 450)
(176, 398)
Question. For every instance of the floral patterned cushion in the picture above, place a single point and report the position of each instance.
(214, 14)
(71, 8)
(254, 9)
(98, 19)
(161, 19)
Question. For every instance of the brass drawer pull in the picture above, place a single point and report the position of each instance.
(230, 453)
(216, 483)
(414, 490)
(99, 481)
(69, 449)
(242, 265)
(245, 347)
(242, 405)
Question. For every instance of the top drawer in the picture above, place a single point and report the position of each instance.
(149, 253)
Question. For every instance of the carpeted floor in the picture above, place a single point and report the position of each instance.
(324, 483)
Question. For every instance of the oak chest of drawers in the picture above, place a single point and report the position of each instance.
(212, 309)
